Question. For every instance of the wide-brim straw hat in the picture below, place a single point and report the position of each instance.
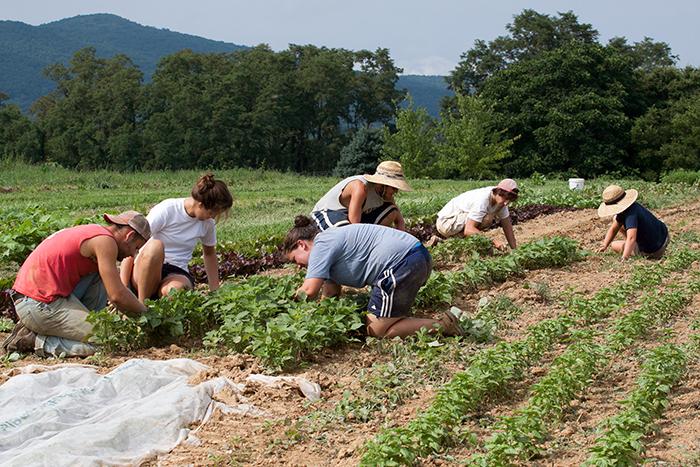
(389, 173)
(616, 200)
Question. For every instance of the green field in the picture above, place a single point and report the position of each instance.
(585, 333)
(265, 202)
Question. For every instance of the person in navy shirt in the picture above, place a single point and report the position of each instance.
(643, 233)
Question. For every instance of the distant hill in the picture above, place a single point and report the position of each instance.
(426, 91)
(25, 51)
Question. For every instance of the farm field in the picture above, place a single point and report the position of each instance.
(557, 337)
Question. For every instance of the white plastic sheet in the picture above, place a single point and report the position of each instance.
(74, 416)
(312, 391)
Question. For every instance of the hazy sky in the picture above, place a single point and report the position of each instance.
(424, 37)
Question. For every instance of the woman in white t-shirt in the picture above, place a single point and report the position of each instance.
(177, 224)
(477, 210)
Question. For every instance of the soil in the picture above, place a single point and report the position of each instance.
(295, 432)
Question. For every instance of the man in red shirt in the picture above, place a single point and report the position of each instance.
(70, 273)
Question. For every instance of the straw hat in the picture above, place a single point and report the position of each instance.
(616, 200)
(133, 219)
(389, 173)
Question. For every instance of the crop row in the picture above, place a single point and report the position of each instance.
(545, 253)
(256, 316)
(492, 369)
(570, 372)
(621, 441)
(458, 249)
(416, 361)
(519, 435)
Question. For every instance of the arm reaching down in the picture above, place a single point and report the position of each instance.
(310, 287)
(211, 266)
(104, 250)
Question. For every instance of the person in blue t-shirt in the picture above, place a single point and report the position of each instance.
(393, 262)
(644, 234)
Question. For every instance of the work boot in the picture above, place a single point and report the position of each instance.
(20, 340)
(450, 325)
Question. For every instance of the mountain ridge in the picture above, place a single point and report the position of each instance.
(26, 50)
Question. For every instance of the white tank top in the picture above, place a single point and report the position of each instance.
(331, 200)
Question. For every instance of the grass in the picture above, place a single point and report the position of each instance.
(265, 201)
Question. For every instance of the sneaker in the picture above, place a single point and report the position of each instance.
(450, 325)
(20, 340)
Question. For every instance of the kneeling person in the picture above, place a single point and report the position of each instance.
(643, 233)
(394, 263)
(70, 273)
(366, 199)
(476, 210)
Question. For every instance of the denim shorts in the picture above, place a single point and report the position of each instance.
(396, 288)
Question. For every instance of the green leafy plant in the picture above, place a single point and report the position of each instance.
(260, 317)
(492, 370)
(546, 253)
(181, 314)
(22, 231)
(518, 436)
(115, 332)
(622, 434)
(6, 325)
(457, 249)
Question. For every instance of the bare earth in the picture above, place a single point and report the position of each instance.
(286, 437)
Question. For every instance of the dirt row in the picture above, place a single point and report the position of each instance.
(284, 437)
(281, 440)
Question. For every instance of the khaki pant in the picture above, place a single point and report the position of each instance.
(454, 225)
(60, 325)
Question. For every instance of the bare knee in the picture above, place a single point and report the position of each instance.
(152, 250)
(171, 285)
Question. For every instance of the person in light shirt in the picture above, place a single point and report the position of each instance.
(394, 263)
(477, 210)
(364, 199)
(177, 225)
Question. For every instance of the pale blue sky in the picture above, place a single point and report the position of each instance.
(423, 37)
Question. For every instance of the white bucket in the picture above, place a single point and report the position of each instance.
(576, 184)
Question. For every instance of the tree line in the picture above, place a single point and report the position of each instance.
(549, 98)
(546, 98)
(289, 110)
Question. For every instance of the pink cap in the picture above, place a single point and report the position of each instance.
(509, 185)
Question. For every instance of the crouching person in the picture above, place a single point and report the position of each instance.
(70, 273)
(643, 233)
(364, 199)
(393, 262)
(476, 210)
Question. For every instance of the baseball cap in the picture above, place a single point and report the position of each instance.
(133, 219)
(509, 185)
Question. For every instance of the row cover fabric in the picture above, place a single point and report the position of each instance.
(72, 415)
